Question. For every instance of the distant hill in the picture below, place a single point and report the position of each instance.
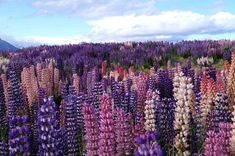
(5, 46)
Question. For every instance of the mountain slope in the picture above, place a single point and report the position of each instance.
(5, 46)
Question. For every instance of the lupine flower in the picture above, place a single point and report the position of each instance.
(150, 113)
(220, 112)
(141, 91)
(123, 132)
(183, 98)
(225, 135)
(4, 147)
(231, 81)
(213, 146)
(233, 132)
(15, 96)
(76, 82)
(3, 109)
(70, 125)
(106, 136)
(19, 136)
(147, 145)
(47, 129)
(91, 130)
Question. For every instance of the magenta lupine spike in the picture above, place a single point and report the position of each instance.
(225, 135)
(213, 146)
(106, 136)
(141, 91)
(91, 130)
(122, 133)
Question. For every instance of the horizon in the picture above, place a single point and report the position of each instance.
(50, 22)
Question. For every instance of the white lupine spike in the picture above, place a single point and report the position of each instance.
(183, 96)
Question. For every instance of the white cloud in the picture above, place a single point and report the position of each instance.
(170, 23)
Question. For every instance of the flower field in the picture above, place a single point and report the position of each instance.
(117, 99)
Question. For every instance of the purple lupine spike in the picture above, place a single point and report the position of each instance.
(89, 82)
(165, 118)
(3, 122)
(19, 143)
(127, 85)
(199, 137)
(91, 128)
(4, 147)
(220, 112)
(122, 133)
(106, 136)
(165, 84)
(95, 76)
(15, 96)
(70, 126)
(147, 145)
(152, 81)
(117, 93)
(126, 102)
(72, 90)
(79, 104)
(64, 91)
(97, 91)
(3, 117)
(104, 83)
(133, 103)
(47, 125)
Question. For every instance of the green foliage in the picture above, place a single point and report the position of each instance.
(4, 132)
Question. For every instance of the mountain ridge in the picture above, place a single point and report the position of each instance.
(6, 46)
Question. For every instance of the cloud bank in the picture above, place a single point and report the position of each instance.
(170, 25)
(134, 20)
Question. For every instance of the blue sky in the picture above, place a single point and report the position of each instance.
(28, 22)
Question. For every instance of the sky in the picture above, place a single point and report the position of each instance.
(34, 22)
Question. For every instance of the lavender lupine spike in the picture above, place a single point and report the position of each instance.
(91, 127)
(19, 143)
(122, 132)
(106, 136)
(70, 125)
(47, 125)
